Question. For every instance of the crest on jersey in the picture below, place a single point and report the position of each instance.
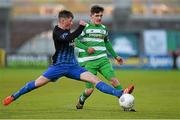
(63, 36)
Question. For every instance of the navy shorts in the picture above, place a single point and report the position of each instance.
(55, 72)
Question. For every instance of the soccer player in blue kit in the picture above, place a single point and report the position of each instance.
(65, 63)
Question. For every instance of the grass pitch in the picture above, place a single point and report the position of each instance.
(157, 96)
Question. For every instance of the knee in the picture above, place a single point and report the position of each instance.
(89, 91)
(114, 82)
(95, 79)
(41, 81)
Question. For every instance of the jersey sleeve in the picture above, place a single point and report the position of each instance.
(109, 47)
(67, 37)
(78, 42)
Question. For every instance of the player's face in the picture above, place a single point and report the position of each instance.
(67, 23)
(96, 18)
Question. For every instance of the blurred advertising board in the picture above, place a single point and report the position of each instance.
(159, 62)
(178, 62)
(129, 63)
(23, 60)
(155, 42)
(124, 43)
(146, 62)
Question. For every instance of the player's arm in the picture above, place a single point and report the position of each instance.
(67, 37)
(80, 45)
(111, 51)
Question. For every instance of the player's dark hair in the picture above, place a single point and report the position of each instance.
(65, 14)
(96, 9)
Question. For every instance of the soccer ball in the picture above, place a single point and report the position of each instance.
(126, 101)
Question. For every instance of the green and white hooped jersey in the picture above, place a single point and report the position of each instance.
(92, 36)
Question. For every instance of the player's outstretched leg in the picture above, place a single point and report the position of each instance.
(25, 89)
(89, 90)
(103, 87)
(81, 99)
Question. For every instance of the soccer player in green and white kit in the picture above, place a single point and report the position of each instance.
(93, 44)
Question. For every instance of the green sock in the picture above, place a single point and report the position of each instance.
(83, 97)
(119, 87)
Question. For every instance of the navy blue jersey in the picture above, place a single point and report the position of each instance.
(64, 45)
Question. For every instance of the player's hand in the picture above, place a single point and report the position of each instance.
(119, 60)
(91, 50)
(81, 22)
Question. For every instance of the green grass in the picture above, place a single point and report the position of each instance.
(157, 96)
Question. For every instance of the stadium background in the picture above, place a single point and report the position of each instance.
(145, 32)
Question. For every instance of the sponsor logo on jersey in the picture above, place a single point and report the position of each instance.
(97, 31)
